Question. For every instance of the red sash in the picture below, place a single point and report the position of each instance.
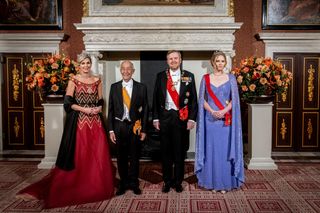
(227, 116)
(183, 113)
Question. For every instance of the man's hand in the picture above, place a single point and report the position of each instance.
(190, 125)
(156, 125)
(143, 136)
(113, 137)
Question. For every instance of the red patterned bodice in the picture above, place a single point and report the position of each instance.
(86, 95)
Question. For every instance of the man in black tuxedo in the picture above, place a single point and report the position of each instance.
(127, 120)
(174, 114)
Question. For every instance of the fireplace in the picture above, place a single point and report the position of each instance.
(114, 33)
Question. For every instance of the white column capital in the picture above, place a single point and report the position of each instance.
(95, 56)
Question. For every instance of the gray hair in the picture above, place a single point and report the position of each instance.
(127, 61)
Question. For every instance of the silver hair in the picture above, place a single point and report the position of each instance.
(127, 61)
(83, 55)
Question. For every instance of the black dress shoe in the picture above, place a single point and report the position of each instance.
(136, 190)
(121, 191)
(166, 188)
(179, 188)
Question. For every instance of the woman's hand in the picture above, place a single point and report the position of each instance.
(97, 110)
(218, 114)
(92, 110)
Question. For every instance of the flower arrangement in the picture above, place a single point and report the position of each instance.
(261, 77)
(50, 75)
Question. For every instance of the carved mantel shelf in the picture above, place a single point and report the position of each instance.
(290, 42)
(159, 28)
(30, 42)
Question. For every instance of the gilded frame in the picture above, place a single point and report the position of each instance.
(31, 15)
(290, 15)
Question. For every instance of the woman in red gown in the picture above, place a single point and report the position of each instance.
(84, 171)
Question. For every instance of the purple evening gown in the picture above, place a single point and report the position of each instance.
(215, 159)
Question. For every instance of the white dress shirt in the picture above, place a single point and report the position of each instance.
(128, 85)
(175, 76)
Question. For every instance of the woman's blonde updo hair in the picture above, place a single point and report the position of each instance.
(215, 55)
(83, 55)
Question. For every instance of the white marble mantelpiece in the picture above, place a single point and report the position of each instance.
(30, 42)
(159, 28)
(125, 31)
(290, 42)
(161, 33)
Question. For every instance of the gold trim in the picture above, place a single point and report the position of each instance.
(303, 83)
(311, 72)
(34, 101)
(309, 129)
(283, 129)
(317, 132)
(8, 81)
(291, 85)
(15, 82)
(231, 8)
(16, 127)
(284, 96)
(290, 135)
(41, 126)
(9, 129)
(285, 92)
(85, 8)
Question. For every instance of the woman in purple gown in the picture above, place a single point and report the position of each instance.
(219, 155)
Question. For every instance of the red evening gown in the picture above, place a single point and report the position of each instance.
(92, 178)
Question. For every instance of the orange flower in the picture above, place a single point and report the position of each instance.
(279, 82)
(57, 56)
(263, 81)
(66, 69)
(53, 79)
(55, 66)
(244, 88)
(54, 88)
(261, 76)
(252, 87)
(50, 74)
(51, 60)
(246, 69)
(267, 61)
(67, 61)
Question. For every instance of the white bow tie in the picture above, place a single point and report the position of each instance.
(126, 85)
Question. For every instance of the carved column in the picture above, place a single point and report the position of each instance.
(95, 56)
(229, 55)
